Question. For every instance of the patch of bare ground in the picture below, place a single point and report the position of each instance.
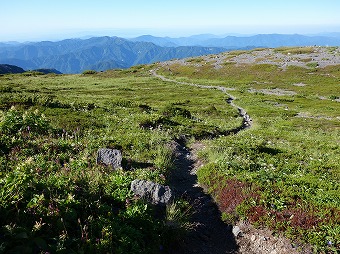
(317, 56)
(262, 241)
(321, 56)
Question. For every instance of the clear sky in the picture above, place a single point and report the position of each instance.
(24, 20)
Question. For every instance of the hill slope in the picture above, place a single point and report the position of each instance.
(258, 128)
(48, 71)
(7, 68)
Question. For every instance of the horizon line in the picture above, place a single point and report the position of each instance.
(85, 35)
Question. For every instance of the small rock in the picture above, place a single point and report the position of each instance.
(252, 238)
(109, 157)
(236, 231)
(153, 192)
(273, 252)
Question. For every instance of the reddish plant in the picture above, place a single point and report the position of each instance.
(303, 219)
(256, 213)
(283, 216)
(233, 194)
(298, 218)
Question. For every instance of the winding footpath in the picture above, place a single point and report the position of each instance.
(210, 234)
(247, 121)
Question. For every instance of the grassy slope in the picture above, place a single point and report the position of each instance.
(284, 172)
(53, 196)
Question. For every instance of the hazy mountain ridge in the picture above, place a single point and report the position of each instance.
(194, 40)
(260, 40)
(274, 40)
(99, 53)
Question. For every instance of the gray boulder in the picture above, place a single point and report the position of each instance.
(154, 193)
(109, 157)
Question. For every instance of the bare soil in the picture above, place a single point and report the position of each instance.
(319, 56)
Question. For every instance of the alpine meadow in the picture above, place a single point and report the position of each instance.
(253, 133)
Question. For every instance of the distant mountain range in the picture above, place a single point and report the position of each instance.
(195, 40)
(230, 42)
(102, 53)
(98, 53)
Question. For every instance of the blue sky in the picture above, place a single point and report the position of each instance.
(56, 19)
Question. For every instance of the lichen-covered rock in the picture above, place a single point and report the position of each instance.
(152, 192)
(109, 157)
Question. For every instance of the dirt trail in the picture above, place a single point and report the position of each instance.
(247, 121)
(210, 234)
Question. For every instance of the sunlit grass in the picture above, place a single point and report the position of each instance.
(285, 168)
(288, 163)
(62, 200)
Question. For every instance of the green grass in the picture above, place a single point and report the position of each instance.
(53, 196)
(284, 172)
(295, 50)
